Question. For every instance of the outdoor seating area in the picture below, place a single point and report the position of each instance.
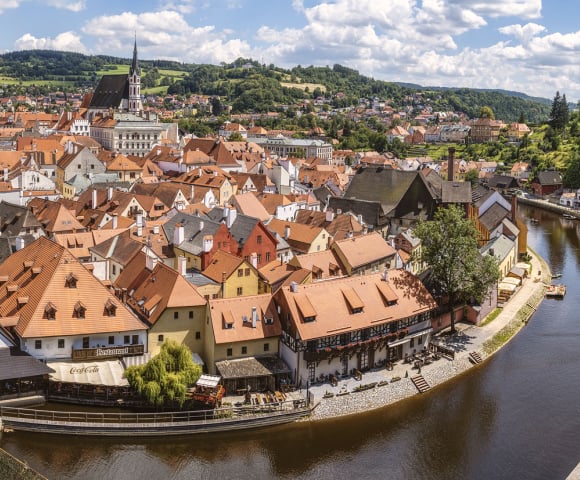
(422, 358)
(267, 398)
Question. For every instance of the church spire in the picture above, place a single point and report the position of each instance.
(135, 64)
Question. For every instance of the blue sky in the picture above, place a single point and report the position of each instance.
(532, 46)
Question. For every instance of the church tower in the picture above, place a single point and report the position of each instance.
(135, 105)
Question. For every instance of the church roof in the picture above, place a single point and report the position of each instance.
(110, 91)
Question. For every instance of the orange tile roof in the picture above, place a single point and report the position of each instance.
(223, 262)
(363, 249)
(45, 285)
(235, 309)
(329, 304)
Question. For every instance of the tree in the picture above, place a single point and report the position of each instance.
(236, 137)
(472, 176)
(486, 112)
(559, 113)
(571, 177)
(458, 270)
(164, 379)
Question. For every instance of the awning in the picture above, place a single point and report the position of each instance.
(210, 381)
(197, 359)
(409, 336)
(506, 287)
(107, 373)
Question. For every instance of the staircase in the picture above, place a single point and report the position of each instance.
(420, 383)
(475, 357)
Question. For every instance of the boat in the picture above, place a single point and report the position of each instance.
(534, 220)
(556, 291)
(568, 216)
(556, 275)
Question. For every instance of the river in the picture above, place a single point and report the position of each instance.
(517, 416)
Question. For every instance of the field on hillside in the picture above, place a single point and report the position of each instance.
(303, 86)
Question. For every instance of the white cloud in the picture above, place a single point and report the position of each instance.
(66, 41)
(501, 8)
(524, 33)
(298, 5)
(165, 35)
(7, 4)
(72, 5)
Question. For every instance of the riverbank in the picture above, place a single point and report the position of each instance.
(349, 396)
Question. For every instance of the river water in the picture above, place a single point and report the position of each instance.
(516, 416)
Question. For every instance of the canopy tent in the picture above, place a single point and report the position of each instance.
(512, 280)
(506, 287)
(108, 373)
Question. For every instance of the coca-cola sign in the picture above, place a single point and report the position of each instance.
(81, 370)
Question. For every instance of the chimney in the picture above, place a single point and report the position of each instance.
(109, 194)
(207, 243)
(359, 219)
(492, 252)
(94, 199)
(150, 262)
(5, 174)
(19, 243)
(514, 212)
(254, 259)
(201, 225)
(191, 194)
(385, 275)
(156, 229)
(139, 231)
(450, 164)
(115, 221)
(178, 234)
(139, 219)
(286, 232)
(329, 215)
(254, 317)
(231, 216)
(181, 265)
(293, 287)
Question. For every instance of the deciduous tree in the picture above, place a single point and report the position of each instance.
(459, 271)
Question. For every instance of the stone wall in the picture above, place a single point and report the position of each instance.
(11, 467)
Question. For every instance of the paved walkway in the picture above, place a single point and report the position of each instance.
(394, 385)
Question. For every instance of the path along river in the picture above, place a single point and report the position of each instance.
(516, 416)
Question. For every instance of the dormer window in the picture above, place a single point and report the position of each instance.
(110, 308)
(50, 311)
(228, 318)
(354, 302)
(71, 281)
(80, 310)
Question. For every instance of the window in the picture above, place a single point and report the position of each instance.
(266, 347)
(267, 257)
(191, 314)
(86, 342)
(412, 343)
(198, 335)
(61, 343)
(259, 239)
(111, 340)
(175, 315)
(37, 344)
(229, 352)
(160, 338)
(244, 350)
(79, 310)
(239, 291)
(126, 339)
(135, 339)
(259, 258)
(114, 269)
(240, 272)
(247, 272)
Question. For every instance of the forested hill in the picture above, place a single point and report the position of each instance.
(249, 86)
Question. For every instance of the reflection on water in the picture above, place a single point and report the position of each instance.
(514, 417)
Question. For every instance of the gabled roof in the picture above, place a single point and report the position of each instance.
(549, 177)
(153, 291)
(248, 204)
(110, 91)
(500, 246)
(242, 227)
(301, 236)
(364, 249)
(493, 216)
(404, 296)
(323, 264)
(456, 192)
(40, 273)
(195, 228)
(53, 216)
(119, 248)
(239, 310)
(224, 263)
(14, 219)
(339, 227)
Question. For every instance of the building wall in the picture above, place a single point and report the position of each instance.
(262, 243)
(185, 329)
(247, 282)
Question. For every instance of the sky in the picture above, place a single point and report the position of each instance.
(530, 46)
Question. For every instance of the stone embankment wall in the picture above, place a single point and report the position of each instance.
(11, 467)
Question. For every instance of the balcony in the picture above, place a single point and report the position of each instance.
(100, 353)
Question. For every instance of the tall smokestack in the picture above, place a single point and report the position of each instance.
(451, 164)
